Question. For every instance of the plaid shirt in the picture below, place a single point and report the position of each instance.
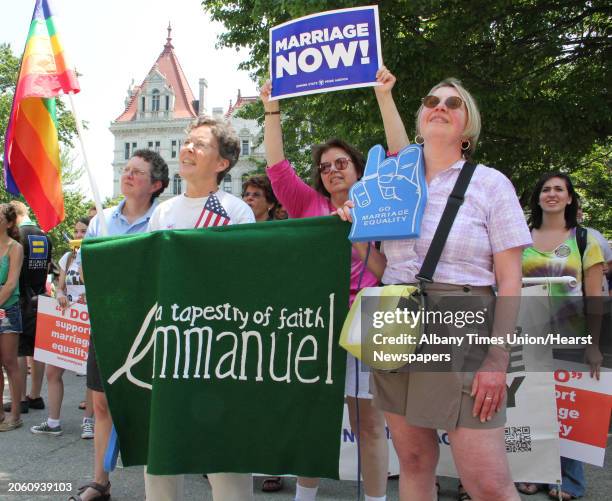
(489, 221)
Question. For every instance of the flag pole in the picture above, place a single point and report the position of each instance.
(92, 181)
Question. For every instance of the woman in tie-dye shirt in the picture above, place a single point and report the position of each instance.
(555, 253)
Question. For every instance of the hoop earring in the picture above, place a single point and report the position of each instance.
(465, 145)
(417, 137)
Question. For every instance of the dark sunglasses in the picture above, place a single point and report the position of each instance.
(340, 163)
(451, 102)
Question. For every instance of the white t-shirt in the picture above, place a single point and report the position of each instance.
(181, 212)
(74, 284)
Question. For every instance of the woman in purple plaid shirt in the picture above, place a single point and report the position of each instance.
(483, 250)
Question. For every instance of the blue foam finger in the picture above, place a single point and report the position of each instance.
(391, 196)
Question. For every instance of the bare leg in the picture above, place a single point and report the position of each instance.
(1, 391)
(373, 444)
(103, 429)
(38, 372)
(23, 377)
(88, 404)
(480, 456)
(55, 390)
(417, 450)
(8, 354)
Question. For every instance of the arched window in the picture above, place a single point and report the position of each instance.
(227, 183)
(177, 185)
(155, 100)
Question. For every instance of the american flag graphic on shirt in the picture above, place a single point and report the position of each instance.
(213, 214)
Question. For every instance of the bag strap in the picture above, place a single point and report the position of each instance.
(581, 240)
(454, 202)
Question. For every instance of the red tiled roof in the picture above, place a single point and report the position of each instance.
(240, 101)
(168, 65)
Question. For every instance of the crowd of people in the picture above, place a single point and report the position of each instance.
(490, 246)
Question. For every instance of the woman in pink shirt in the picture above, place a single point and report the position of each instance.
(337, 166)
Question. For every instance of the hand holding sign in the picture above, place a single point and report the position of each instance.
(390, 197)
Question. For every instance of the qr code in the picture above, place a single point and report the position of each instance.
(518, 438)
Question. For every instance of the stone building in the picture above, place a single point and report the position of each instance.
(157, 112)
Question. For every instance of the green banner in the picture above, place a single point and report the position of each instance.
(218, 348)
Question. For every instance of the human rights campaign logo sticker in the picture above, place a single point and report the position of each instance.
(38, 247)
(391, 196)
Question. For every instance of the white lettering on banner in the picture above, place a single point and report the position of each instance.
(311, 59)
(73, 339)
(185, 346)
(349, 31)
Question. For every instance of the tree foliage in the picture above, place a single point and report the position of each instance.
(539, 70)
(74, 202)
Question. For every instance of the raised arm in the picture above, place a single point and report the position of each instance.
(273, 134)
(395, 131)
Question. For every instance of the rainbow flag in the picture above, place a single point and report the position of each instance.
(31, 151)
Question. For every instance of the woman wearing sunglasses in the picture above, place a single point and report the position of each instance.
(337, 166)
(483, 249)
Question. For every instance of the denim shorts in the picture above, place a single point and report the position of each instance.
(12, 319)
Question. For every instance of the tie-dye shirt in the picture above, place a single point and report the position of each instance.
(562, 261)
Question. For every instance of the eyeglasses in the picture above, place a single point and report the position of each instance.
(198, 145)
(451, 102)
(254, 194)
(134, 172)
(340, 163)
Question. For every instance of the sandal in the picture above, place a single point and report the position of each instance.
(565, 496)
(103, 492)
(462, 494)
(7, 425)
(527, 488)
(272, 484)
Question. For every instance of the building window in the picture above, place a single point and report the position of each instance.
(155, 100)
(227, 183)
(173, 149)
(177, 186)
(157, 146)
(142, 102)
(150, 145)
(167, 103)
(127, 151)
(134, 147)
(246, 147)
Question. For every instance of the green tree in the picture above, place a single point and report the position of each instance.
(539, 70)
(74, 202)
(75, 205)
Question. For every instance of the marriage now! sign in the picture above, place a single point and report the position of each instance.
(62, 337)
(583, 411)
(338, 49)
(231, 331)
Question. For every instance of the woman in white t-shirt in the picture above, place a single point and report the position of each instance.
(70, 290)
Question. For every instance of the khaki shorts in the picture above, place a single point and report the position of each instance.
(438, 400)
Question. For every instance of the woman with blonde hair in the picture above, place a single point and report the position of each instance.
(483, 249)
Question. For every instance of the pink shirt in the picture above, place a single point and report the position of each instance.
(489, 221)
(300, 200)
